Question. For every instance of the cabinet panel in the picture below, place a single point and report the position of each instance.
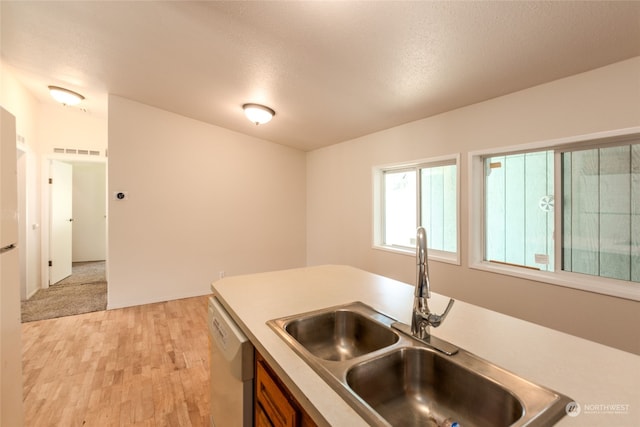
(261, 418)
(273, 401)
(275, 406)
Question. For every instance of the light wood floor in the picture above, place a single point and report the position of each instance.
(145, 365)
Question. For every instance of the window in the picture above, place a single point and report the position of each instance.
(563, 212)
(421, 194)
(399, 208)
(518, 209)
(601, 212)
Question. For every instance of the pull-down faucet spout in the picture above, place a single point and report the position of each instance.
(422, 318)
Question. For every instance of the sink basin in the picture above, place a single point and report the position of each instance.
(393, 379)
(414, 386)
(340, 334)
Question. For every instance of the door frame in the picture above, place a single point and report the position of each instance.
(46, 206)
(22, 159)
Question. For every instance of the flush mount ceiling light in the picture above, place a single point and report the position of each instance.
(258, 114)
(65, 96)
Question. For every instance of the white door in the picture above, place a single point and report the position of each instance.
(61, 220)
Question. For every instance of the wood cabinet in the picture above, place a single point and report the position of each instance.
(274, 405)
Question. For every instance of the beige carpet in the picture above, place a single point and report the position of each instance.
(82, 292)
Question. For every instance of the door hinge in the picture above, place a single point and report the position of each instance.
(50, 263)
(50, 180)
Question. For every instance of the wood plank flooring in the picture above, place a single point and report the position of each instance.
(144, 366)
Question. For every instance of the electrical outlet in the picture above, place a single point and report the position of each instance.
(221, 274)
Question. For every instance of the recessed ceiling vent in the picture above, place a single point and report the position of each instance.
(79, 151)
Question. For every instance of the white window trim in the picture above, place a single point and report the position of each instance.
(601, 285)
(377, 220)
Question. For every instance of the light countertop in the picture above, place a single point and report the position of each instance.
(604, 381)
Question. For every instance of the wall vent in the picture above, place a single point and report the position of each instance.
(79, 151)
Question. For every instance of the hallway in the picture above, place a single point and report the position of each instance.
(84, 291)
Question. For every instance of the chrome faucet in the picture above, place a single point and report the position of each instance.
(422, 318)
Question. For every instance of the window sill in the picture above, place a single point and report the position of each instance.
(600, 285)
(434, 255)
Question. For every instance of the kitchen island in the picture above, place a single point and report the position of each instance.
(604, 381)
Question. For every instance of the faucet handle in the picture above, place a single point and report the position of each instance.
(436, 319)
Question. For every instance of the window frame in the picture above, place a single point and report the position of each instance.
(476, 238)
(379, 206)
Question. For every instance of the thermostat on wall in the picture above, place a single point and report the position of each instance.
(121, 195)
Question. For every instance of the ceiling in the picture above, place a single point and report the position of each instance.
(332, 71)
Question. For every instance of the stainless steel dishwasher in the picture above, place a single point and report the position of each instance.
(231, 370)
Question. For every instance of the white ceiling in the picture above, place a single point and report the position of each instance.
(333, 71)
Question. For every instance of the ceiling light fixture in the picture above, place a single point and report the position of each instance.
(65, 96)
(258, 114)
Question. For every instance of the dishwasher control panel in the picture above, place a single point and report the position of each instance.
(230, 341)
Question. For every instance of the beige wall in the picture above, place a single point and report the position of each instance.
(69, 127)
(339, 196)
(201, 200)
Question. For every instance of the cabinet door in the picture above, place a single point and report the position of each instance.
(261, 418)
(273, 401)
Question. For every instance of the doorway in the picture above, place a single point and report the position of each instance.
(75, 243)
(77, 215)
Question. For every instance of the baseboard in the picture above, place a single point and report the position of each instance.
(32, 293)
(155, 299)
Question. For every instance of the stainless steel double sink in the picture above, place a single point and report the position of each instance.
(390, 378)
